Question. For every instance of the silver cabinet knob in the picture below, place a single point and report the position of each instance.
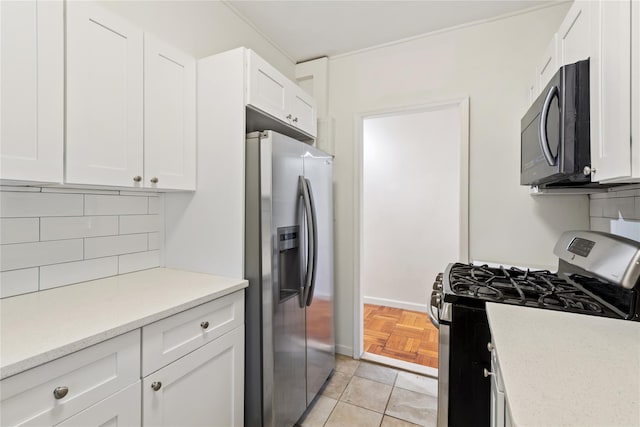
(137, 178)
(486, 373)
(289, 116)
(490, 346)
(295, 120)
(154, 180)
(156, 385)
(204, 325)
(60, 392)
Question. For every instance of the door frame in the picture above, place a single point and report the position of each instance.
(462, 103)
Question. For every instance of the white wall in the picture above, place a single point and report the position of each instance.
(492, 63)
(56, 237)
(200, 28)
(411, 223)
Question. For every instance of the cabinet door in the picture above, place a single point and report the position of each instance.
(122, 409)
(170, 117)
(610, 90)
(303, 109)
(104, 97)
(573, 35)
(549, 63)
(267, 88)
(205, 387)
(32, 93)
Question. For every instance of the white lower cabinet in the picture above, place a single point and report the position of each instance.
(203, 388)
(51, 393)
(200, 384)
(122, 410)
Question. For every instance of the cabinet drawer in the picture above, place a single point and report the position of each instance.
(168, 339)
(90, 375)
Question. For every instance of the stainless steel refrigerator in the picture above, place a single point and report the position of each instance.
(290, 347)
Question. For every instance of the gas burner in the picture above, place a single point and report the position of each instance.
(535, 288)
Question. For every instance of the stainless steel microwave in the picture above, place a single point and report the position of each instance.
(554, 138)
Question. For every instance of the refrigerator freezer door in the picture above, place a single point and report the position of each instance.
(289, 383)
(320, 334)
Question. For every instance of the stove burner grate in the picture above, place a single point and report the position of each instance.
(516, 286)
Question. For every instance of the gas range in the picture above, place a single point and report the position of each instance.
(598, 275)
(468, 283)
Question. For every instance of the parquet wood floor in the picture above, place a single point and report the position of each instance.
(400, 334)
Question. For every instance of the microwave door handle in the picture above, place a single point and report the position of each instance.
(544, 141)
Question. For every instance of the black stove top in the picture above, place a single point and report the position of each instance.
(534, 288)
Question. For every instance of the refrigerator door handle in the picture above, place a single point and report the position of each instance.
(308, 207)
(314, 222)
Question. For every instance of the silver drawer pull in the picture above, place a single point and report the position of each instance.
(156, 385)
(137, 178)
(486, 373)
(60, 392)
(204, 325)
(154, 180)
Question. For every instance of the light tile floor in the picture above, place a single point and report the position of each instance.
(369, 395)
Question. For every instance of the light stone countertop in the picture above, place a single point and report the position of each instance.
(39, 327)
(565, 369)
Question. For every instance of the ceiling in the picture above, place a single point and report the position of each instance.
(308, 29)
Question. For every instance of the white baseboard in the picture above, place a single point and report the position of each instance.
(344, 350)
(401, 364)
(396, 304)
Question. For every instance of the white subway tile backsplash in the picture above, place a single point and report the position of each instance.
(601, 224)
(114, 245)
(620, 207)
(115, 205)
(19, 230)
(15, 204)
(138, 261)
(596, 207)
(139, 224)
(55, 275)
(23, 255)
(53, 237)
(57, 228)
(16, 282)
(154, 241)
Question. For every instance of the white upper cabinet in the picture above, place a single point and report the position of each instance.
(271, 92)
(267, 88)
(104, 98)
(169, 117)
(573, 34)
(32, 63)
(610, 91)
(303, 109)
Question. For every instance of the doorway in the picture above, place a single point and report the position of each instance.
(413, 221)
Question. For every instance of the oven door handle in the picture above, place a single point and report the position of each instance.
(432, 316)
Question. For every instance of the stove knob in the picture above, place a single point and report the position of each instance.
(439, 277)
(435, 299)
(437, 286)
(490, 346)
